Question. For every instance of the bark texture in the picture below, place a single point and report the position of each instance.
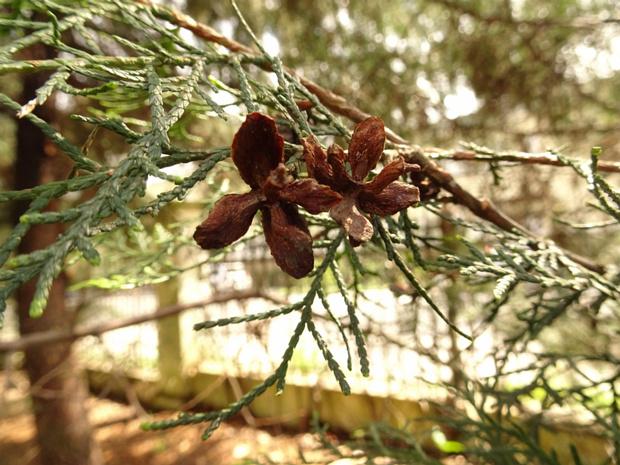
(58, 392)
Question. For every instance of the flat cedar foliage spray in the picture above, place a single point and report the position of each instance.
(384, 213)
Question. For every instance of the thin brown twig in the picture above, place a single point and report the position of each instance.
(516, 157)
(334, 102)
(48, 337)
(482, 208)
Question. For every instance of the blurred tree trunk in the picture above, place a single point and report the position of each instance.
(58, 393)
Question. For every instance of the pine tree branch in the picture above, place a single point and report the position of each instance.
(482, 208)
(334, 102)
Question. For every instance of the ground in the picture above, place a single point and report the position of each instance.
(117, 431)
(123, 442)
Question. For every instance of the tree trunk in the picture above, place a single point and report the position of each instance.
(58, 393)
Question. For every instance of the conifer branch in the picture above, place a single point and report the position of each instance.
(483, 208)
